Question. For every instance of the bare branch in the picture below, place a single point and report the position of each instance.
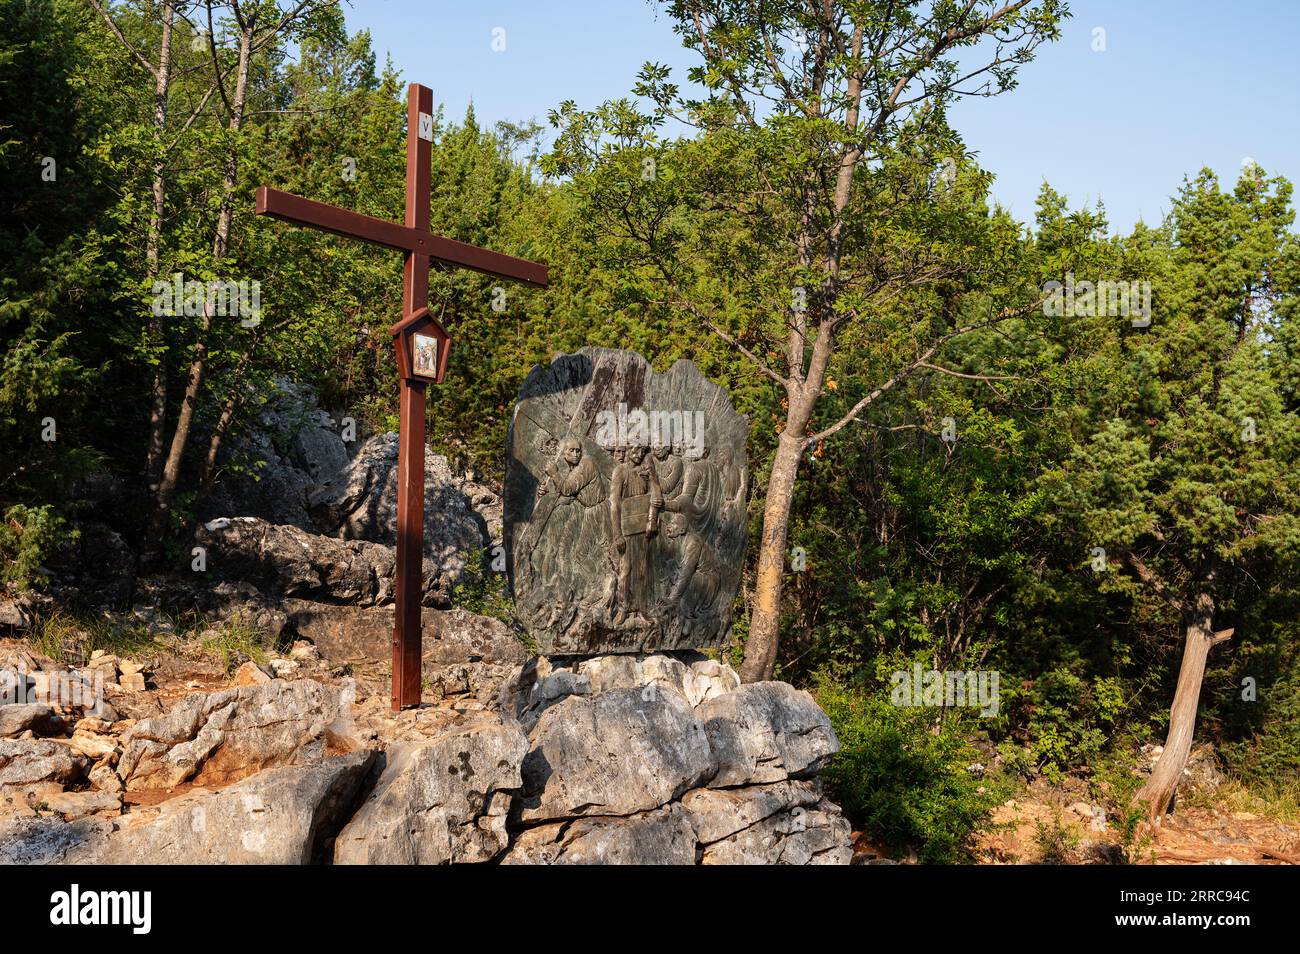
(922, 360)
(121, 38)
(1149, 577)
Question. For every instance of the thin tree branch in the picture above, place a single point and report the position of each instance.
(121, 37)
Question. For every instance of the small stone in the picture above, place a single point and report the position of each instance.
(92, 744)
(133, 682)
(129, 667)
(74, 805)
(250, 674)
(284, 667)
(104, 777)
(302, 649)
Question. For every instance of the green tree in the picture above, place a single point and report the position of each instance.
(824, 195)
(1187, 471)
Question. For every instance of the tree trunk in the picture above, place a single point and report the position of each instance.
(765, 616)
(153, 238)
(233, 400)
(1158, 792)
(198, 360)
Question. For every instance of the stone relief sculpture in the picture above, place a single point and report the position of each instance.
(625, 506)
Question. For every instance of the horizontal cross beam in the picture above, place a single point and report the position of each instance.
(329, 218)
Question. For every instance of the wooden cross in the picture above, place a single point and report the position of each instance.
(421, 247)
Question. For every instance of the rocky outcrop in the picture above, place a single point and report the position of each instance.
(32, 761)
(619, 752)
(766, 732)
(662, 760)
(660, 837)
(284, 561)
(360, 503)
(652, 759)
(443, 801)
(342, 633)
(281, 816)
(220, 737)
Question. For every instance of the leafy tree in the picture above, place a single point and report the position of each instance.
(799, 226)
(1187, 473)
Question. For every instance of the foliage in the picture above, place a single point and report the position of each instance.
(28, 537)
(899, 776)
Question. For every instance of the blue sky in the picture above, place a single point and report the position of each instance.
(1181, 84)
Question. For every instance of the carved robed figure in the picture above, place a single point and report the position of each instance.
(625, 506)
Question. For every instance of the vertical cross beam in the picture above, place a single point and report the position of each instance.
(410, 466)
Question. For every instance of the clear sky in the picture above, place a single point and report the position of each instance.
(1180, 84)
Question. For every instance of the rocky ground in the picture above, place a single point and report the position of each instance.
(619, 759)
(1057, 823)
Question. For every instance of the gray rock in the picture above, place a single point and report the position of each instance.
(30, 761)
(660, 837)
(544, 681)
(17, 718)
(285, 561)
(74, 805)
(281, 816)
(320, 452)
(664, 576)
(818, 835)
(718, 813)
(439, 802)
(351, 632)
(219, 737)
(100, 569)
(617, 753)
(276, 473)
(14, 613)
(766, 732)
(361, 504)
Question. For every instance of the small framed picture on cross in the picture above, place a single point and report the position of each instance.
(424, 352)
(422, 347)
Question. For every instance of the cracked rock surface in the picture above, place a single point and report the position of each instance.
(623, 759)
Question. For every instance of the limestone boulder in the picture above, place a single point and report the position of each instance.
(284, 561)
(443, 801)
(616, 753)
(814, 835)
(25, 762)
(660, 837)
(220, 737)
(543, 681)
(17, 718)
(360, 503)
(342, 633)
(285, 816)
(766, 732)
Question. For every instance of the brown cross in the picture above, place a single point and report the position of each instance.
(421, 247)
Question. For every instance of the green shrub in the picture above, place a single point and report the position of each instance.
(1055, 839)
(1069, 720)
(901, 779)
(28, 537)
(1268, 758)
